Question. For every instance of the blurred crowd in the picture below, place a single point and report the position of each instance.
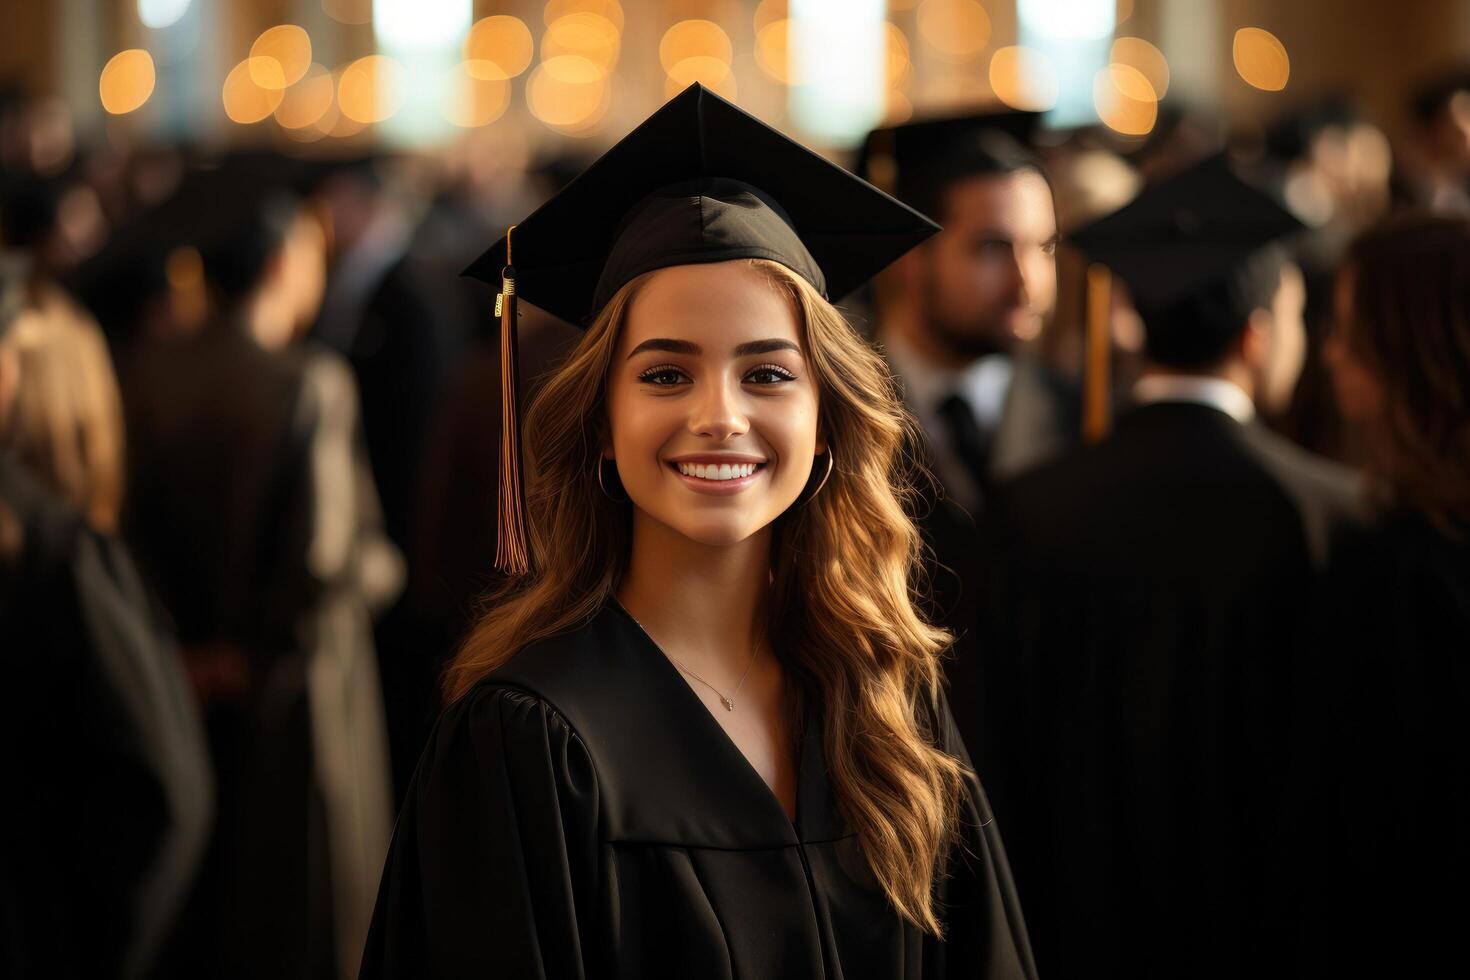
(249, 418)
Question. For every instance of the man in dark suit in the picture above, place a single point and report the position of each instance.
(1143, 621)
(956, 314)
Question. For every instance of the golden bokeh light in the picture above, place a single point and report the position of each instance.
(127, 81)
(583, 35)
(769, 11)
(370, 89)
(957, 29)
(773, 52)
(245, 100)
(1122, 11)
(1261, 59)
(289, 47)
(349, 11)
(694, 39)
(477, 101)
(566, 91)
(898, 110)
(1024, 78)
(609, 10)
(308, 100)
(712, 73)
(895, 55)
(1125, 101)
(498, 48)
(1138, 54)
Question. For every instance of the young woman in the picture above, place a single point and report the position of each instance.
(704, 735)
(1394, 813)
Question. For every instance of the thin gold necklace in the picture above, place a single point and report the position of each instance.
(728, 702)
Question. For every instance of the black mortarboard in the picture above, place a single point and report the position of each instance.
(914, 158)
(701, 181)
(698, 181)
(1186, 234)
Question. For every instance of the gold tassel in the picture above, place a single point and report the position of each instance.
(512, 554)
(1097, 370)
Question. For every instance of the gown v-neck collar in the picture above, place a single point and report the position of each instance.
(667, 771)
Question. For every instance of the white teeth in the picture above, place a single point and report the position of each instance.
(717, 471)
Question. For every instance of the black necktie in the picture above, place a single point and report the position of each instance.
(970, 443)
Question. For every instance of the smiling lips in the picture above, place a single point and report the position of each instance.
(717, 471)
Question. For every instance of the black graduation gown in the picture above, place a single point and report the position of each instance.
(1384, 837)
(580, 814)
(108, 800)
(1142, 632)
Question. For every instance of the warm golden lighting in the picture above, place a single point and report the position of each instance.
(1122, 11)
(498, 48)
(127, 81)
(308, 100)
(584, 35)
(1138, 54)
(1024, 78)
(773, 51)
(245, 100)
(184, 269)
(899, 110)
(349, 11)
(289, 47)
(694, 39)
(567, 91)
(712, 73)
(477, 102)
(895, 56)
(609, 10)
(957, 29)
(902, 4)
(769, 11)
(1261, 59)
(1125, 101)
(370, 89)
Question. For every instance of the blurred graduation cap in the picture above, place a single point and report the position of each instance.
(698, 181)
(1180, 240)
(1186, 234)
(915, 158)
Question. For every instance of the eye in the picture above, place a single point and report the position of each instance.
(663, 376)
(1049, 248)
(769, 374)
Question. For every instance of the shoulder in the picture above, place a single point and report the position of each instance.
(1307, 476)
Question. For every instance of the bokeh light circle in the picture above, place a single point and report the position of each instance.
(127, 81)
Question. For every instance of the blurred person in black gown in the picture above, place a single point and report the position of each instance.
(1390, 825)
(108, 785)
(957, 318)
(253, 508)
(758, 775)
(1146, 603)
(1436, 157)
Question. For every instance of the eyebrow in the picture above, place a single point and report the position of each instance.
(741, 350)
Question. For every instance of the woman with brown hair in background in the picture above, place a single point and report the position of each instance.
(701, 734)
(1395, 816)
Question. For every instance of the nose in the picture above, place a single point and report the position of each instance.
(717, 412)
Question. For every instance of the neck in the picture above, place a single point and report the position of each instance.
(908, 323)
(701, 603)
(1233, 370)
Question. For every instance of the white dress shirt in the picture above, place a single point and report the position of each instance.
(1216, 393)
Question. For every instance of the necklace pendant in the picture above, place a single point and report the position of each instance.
(729, 705)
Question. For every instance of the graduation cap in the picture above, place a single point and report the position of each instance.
(1186, 234)
(698, 181)
(912, 159)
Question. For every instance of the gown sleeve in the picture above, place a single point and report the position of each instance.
(493, 867)
(985, 933)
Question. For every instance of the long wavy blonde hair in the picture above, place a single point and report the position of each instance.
(844, 582)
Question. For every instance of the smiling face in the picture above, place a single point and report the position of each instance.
(712, 407)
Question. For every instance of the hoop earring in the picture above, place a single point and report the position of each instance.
(825, 477)
(600, 484)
